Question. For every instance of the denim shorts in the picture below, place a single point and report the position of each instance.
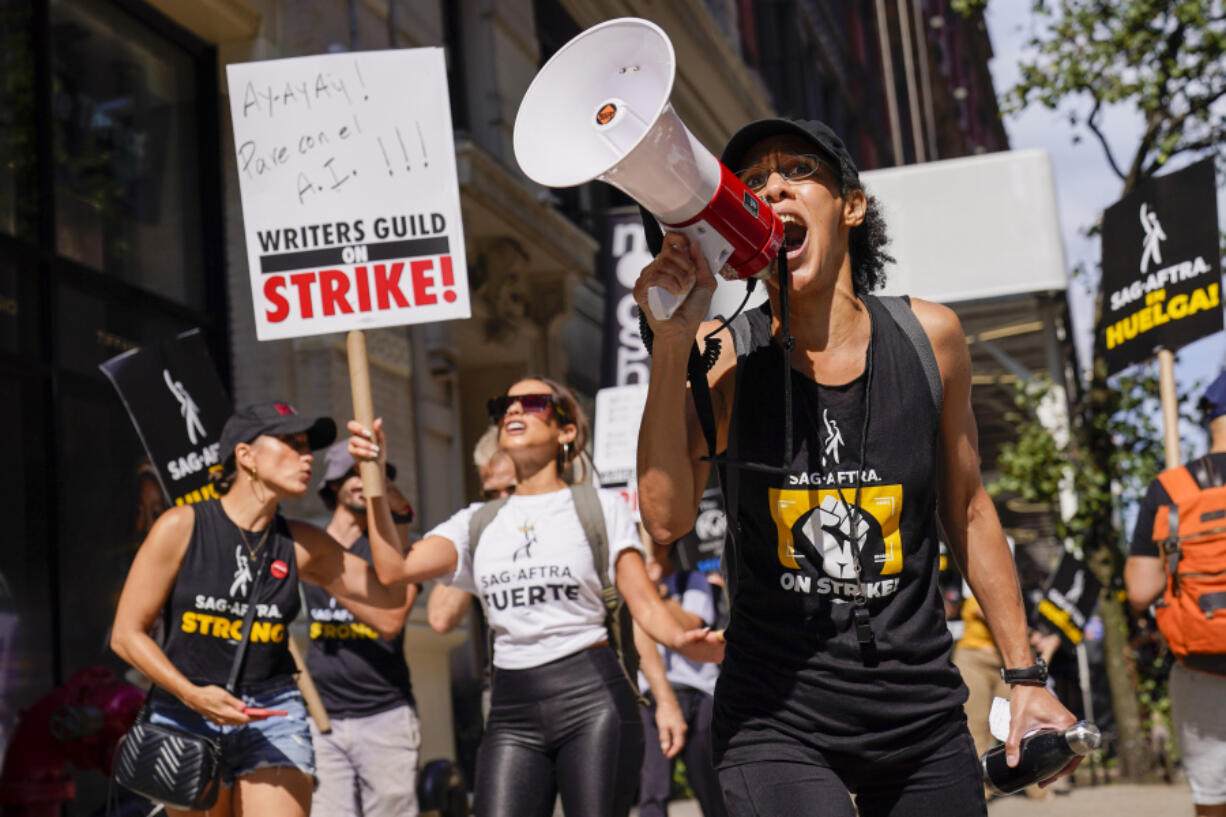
(277, 741)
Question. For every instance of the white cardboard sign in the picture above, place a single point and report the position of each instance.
(615, 441)
(351, 205)
(619, 411)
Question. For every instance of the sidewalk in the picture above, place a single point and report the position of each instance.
(1123, 800)
(1120, 800)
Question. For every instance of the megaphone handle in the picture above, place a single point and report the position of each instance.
(715, 248)
(663, 303)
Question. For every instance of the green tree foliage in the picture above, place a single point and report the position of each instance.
(1165, 60)
(1039, 463)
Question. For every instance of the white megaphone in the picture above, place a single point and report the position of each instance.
(599, 109)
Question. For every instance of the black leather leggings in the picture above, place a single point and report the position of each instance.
(570, 727)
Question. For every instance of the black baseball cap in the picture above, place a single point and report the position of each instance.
(251, 421)
(819, 134)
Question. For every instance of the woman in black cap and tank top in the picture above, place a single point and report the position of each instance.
(197, 568)
(837, 675)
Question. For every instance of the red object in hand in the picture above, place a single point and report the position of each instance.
(255, 712)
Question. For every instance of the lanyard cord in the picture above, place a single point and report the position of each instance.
(788, 342)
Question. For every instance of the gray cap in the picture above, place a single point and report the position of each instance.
(338, 462)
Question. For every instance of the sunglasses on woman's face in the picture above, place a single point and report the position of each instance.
(298, 442)
(489, 494)
(528, 403)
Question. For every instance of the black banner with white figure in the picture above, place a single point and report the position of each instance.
(624, 254)
(1162, 278)
(178, 405)
(702, 548)
(1070, 598)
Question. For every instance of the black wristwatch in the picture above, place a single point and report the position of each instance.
(1034, 675)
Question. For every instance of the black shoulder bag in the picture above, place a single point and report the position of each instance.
(172, 766)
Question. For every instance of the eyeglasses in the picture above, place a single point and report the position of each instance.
(793, 169)
(529, 404)
(497, 493)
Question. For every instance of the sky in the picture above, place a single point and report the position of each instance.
(1085, 183)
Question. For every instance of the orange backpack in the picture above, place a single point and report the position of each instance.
(1192, 540)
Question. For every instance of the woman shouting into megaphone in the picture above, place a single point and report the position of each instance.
(837, 676)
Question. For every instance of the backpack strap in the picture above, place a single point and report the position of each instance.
(899, 307)
(1182, 487)
(591, 517)
(617, 620)
(477, 523)
(1206, 475)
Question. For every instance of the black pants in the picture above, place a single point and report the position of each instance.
(570, 727)
(657, 779)
(945, 783)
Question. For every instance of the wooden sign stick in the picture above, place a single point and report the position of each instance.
(310, 695)
(363, 407)
(1170, 406)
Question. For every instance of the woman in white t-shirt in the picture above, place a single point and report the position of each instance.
(563, 718)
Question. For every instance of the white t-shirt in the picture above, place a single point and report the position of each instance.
(534, 574)
(699, 599)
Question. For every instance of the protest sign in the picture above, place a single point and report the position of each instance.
(623, 255)
(702, 547)
(178, 405)
(1161, 279)
(1070, 598)
(615, 439)
(351, 204)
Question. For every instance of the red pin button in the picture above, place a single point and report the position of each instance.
(278, 569)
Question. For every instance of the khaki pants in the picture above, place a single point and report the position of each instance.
(368, 766)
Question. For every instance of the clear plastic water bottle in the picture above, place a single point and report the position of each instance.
(1043, 754)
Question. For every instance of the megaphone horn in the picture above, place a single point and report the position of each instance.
(599, 109)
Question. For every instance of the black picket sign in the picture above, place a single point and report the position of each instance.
(1162, 277)
(1070, 597)
(176, 401)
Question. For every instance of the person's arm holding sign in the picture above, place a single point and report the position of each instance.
(427, 558)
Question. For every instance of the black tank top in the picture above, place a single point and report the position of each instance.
(795, 676)
(357, 672)
(204, 615)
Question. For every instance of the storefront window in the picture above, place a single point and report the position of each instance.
(26, 643)
(18, 304)
(18, 200)
(127, 198)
